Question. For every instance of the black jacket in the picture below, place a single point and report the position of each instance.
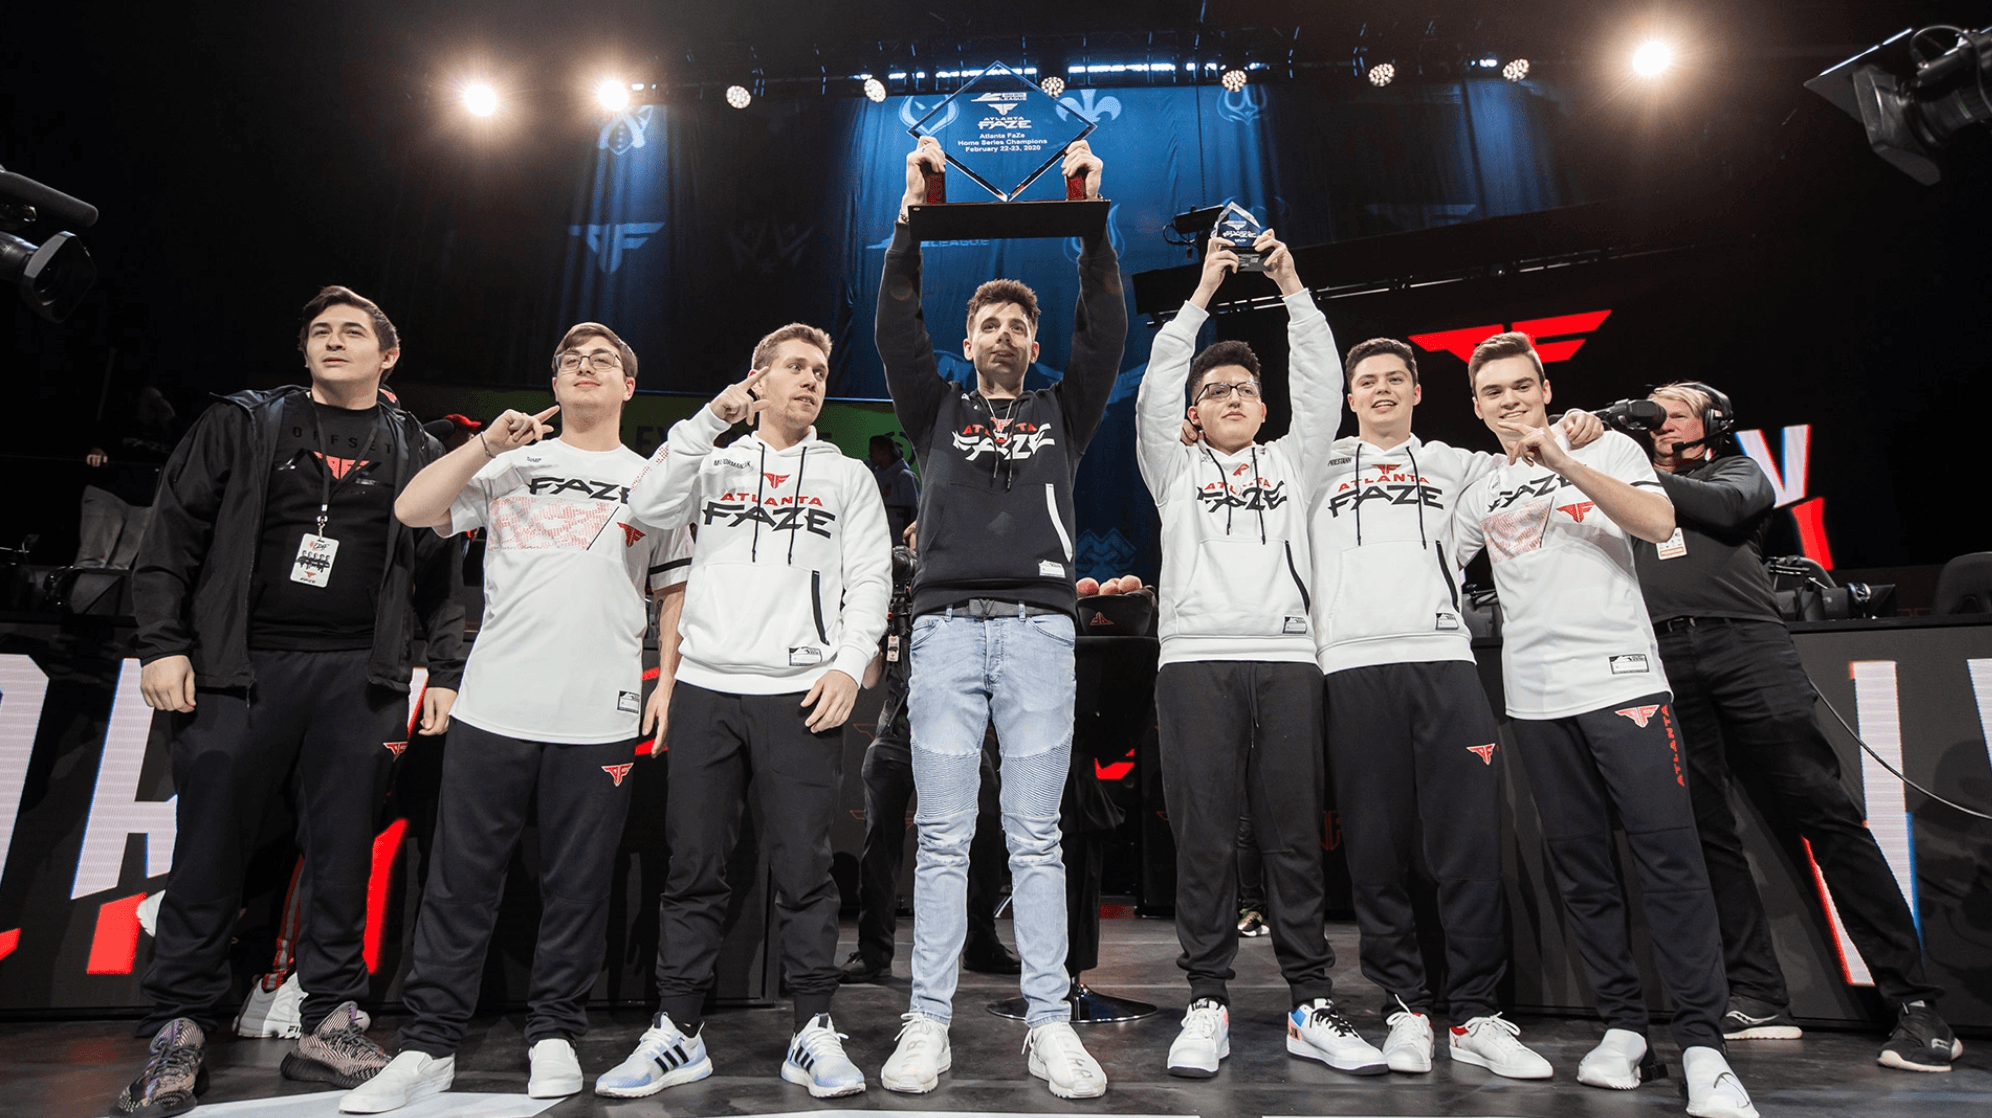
(996, 497)
(1721, 510)
(190, 586)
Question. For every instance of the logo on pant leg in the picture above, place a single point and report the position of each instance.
(617, 772)
(1639, 715)
(1486, 752)
(395, 747)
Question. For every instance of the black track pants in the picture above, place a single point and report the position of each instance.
(1239, 736)
(317, 712)
(1746, 708)
(1413, 747)
(721, 745)
(490, 784)
(1627, 759)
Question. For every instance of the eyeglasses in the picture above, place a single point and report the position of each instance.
(1220, 390)
(601, 361)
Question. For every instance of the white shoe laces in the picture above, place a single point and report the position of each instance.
(1405, 1018)
(1202, 1021)
(1499, 1022)
(922, 1030)
(1072, 1055)
(819, 1041)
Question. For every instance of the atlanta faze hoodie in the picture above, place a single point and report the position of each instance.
(1386, 591)
(1235, 565)
(791, 568)
(996, 475)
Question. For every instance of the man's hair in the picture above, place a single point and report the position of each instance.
(1218, 355)
(335, 295)
(595, 329)
(1365, 350)
(764, 350)
(1697, 400)
(885, 442)
(999, 291)
(1514, 343)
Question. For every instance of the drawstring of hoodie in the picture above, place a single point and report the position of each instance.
(754, 554)
(801, 465)
(1221, 486)
(1418, 491)
(1262, 497)
(1359, 493)
(1002, 461)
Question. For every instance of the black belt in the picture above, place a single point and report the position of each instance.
(985, 609)
(1676, 624)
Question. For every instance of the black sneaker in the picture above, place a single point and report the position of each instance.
(858, 969)
(991, 957)
(1921, 1041)
(174, 1078)
(338, 1051)
(1756, 1019)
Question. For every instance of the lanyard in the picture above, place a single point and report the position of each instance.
(327, 485)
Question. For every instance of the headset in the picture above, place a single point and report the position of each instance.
(1718, 418)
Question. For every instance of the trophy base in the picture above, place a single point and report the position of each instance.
(1007, 221)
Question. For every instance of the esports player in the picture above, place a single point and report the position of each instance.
(1746, 707)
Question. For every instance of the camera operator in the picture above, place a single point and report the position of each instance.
(888, 773)
(1746, 707)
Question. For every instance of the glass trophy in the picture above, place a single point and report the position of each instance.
(1237, 226)
(1002, 133)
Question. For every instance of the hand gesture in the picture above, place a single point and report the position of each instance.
(96, 457)
(1277, 261)
(515, 429)
(1582, 428)
(1080, 161)
(1220, 260)
(1538, 446)
(739, 401)
(925, 157)
(832, 696)
(1189, 434)
(168, 684)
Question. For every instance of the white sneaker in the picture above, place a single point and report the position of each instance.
(1408, 1048)
(1060, 1060)
(268, 1013)
(1317, 1031)
(1204, 1041)
(816, 1060)
(406, 1078)
(1713, 1089)
(556, 1071)
(1490, 1042)
(915, 1066)
(1615, 1062)
(664, 1057)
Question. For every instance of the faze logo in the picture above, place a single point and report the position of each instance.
(1027, 439)
(631, 534)
(1576, 512)
(1541, 487)
(776, 480)
(1258, 495)
(790, 518)
(1485, 752)
(617, 772)
(1241, 468)
(395, 747)
(1394, 494)
(597, 490)
(340, 467)
(1639, 715)
(1460, 343)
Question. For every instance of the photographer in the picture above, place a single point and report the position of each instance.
(1745, 706)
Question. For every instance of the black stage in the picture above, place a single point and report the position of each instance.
(70, 1070)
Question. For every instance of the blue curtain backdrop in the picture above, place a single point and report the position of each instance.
(699, 228)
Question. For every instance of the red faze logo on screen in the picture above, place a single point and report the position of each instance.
(1556, 338)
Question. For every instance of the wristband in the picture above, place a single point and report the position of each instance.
(485, 445)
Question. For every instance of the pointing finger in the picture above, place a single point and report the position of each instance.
(547, 414)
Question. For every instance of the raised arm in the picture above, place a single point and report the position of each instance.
(1159, 403)
(666, 493)
(1099, 323)
(912, 375)
(426, 501)
(1314, 369)
(1729, 498)
(1634, 502)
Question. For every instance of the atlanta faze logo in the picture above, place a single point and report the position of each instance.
(1639, 715)
(595, 490)
(1394, 493)
(340, 467)
(778, 514)
(1576, 512)
(395, 747)
(1484, 752)
(775, 480)
(1259, 494)
(631, 534)
(1019, 440)
(1541, 487)
(617, 772)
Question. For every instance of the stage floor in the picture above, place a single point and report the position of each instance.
(76, 1069)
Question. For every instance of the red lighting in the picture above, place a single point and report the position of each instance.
(9, 940)
(115, 946)
(380, 884)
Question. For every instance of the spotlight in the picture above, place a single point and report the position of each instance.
(613, 95)
(480, 99)
(874, 90)
(1651, 58)
(738, 97)
(1233, 79)
(1517, 70)
(1381, 74)
(1053, 85)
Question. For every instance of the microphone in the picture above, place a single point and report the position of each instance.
(1634, 415)
(47, 199)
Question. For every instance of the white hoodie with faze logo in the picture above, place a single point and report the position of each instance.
(791, 568)
(1235, 561)
(1386, 589)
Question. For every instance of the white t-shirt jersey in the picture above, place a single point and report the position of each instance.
(560, 655)
(1575, 635)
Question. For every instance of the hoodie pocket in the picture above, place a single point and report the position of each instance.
(1389, 590)
(755, 617)
(1240, 588)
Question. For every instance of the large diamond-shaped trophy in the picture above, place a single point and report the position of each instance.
(1237, 227)
(1003, 133)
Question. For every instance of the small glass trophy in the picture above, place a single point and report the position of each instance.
(1237, 226)
(1003, 133)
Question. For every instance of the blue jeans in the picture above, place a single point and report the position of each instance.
(967, 673)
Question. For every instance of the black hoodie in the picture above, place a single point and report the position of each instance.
(996, 476)
(191, 582)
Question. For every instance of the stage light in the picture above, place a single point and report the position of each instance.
(874, 90)
(1652, 57)
(480, 99)
(1233, 79)
(1517, 70)
(738, 97)
(1381, 74)
(1053, 85)
(612, 95)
